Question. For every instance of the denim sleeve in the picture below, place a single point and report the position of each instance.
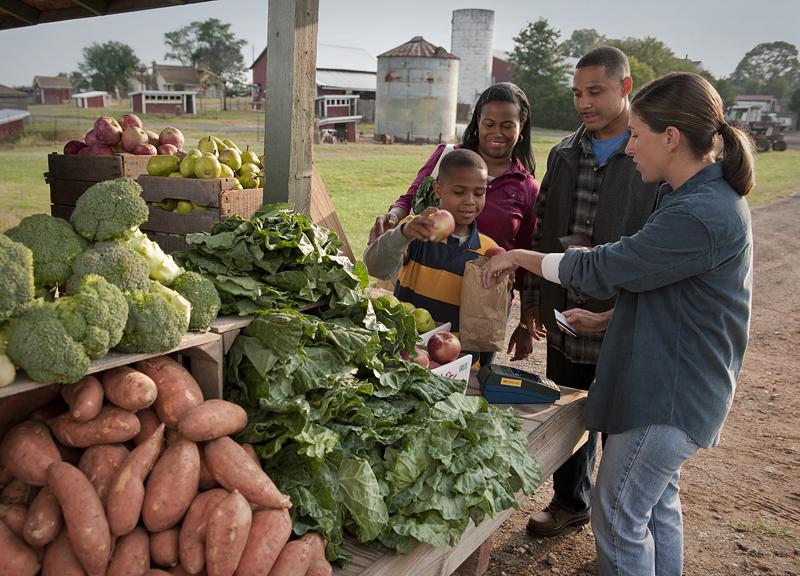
(672, 246)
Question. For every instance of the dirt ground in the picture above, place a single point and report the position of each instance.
(741, 500)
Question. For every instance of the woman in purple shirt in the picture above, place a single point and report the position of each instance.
(500, 132)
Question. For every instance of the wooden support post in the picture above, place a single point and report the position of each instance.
(289, 110)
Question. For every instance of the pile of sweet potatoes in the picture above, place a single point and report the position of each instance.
(134, 471)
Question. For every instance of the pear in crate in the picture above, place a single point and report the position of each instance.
(207, 166)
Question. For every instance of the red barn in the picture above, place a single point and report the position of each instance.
(163, 102)
(96, 99)
(12, 122)
(51, 89)
(501, 70)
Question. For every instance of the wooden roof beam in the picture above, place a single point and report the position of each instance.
(20, 11)
(96, 7)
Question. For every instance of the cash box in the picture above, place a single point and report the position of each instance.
(506, 385)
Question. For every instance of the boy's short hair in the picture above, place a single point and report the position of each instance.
(461, 158)
(612, 59)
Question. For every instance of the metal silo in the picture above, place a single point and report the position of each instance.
(416, 93)
(471, 41)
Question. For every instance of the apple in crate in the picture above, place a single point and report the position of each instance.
(90, 138)
(165, 149)
(74, 147)
(127, 120)
(444, 347)
(144, 150)
(443, 225)
(100, 150)
(132, 137)
(420, 357)
(107, 130)
(171, 135)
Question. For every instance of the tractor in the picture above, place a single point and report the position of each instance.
(766, 129)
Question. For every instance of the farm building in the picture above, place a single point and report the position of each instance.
(94, 99)
(12, 122)
(501, 69)
(345, 88)
(12, 99)
(51, 89)
(163, 102)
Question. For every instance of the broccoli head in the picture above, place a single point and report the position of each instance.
(162, 267)
(95, 316)
(39, 344)
(116, 262)
(54, 244)
(157, 320)
(16, 287)
(109, 210)
(202, 295)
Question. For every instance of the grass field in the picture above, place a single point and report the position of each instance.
(362, 179)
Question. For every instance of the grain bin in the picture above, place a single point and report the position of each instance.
(416, 93)
(471, 42)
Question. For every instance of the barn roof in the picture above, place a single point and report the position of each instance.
(6, 92)
(173, 74)
(421, 48)
(359, 81)
(333, 57)
(52, 82)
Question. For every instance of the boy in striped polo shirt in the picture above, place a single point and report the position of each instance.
(430, 273)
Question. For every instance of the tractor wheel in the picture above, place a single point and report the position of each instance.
(779, 145)
(762, 145)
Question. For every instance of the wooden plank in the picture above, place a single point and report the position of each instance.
(206, 367)
(67, 192)
(289, 111)
(96, 168)
(20, 10)
(172, 222)
(61, 211)
(169, 242)
(201, 191)
(323, 212)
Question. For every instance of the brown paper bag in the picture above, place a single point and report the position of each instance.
(484, 312)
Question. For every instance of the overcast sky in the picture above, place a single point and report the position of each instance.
(717, 32)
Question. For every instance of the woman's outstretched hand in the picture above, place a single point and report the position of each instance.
(499, 268)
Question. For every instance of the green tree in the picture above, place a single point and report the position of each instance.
(794, 101)
(657, 55)
(641, 72)
(108, 66)
(78, 80)
(538, 67)
(581, 41)
(209, 46)
(769, 68)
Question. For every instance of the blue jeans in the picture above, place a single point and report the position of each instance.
(636, 516)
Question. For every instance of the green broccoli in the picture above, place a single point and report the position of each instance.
(7, 369)
(54, 244)
(114, 261)
(40, 344)
(157, 320)
(202, 295)
(162, 267)
(16, 287)
(95, 316)
(110, 210)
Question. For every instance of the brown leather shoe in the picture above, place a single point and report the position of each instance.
(554, 519)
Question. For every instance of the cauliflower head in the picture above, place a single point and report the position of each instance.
(95, 316)
(202, 295)
(109, 210)
(41, 345)
(157, 320)
(54, 244)
(116, 262)
(17, 286)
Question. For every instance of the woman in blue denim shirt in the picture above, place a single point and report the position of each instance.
(673, 349)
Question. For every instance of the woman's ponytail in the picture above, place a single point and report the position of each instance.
(737, 159)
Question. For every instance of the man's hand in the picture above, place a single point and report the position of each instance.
(383, 223)
(586, 321)
(498, 268)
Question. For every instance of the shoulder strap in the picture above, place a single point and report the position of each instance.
(447, 149)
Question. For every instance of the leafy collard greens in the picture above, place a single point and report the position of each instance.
(276, 259)
(365, 442)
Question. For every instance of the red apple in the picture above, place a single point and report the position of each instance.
(444, 347)
(73, 147)
(127, 120)
(422, 358)
(90, 138)
(167, 149)
(494, 251)
(100, 150)
(144, 149)
(107, 130)
(132, 137)
(443, 225)
(86, 151)
(432, 365)
(171, 135)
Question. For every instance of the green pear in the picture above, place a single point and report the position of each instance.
(232, 158)
(408, 306)
(206, 145)
(168, 204)
(250, 157)
(226, 171)
(249, 168)
(249, 181)
(162, 165)
(207, 166)
(220, 144)
(423, 320)
(176, 175)
(230, 144)
(183, 207)
(237, 186)
(187, 165)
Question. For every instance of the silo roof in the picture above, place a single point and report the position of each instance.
(420, 48)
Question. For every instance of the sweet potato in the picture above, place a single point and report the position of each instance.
(49, 410)
(179, 571)
(207, 480)
(100, 463)
(129, 388)
(14, 516)
(319, 565)
(226, 536)
(44, 520)
(84, 397)
(234, 470)
(17, 492)
(172, 485)
(252, 453)
(178, 391)
(84, 517)
(112, 426)
(126, 491)
(294, 559)
(156, 572)
(60, 559)
(192, 536)
(148, 421)
(27, 450)
(16, 557)
(212, 419)
(131, 555)
(269, 533)
(164, 548)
